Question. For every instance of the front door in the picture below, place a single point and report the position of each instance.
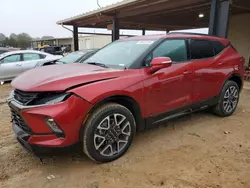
(169, 88)
(10, 67)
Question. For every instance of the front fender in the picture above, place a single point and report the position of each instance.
(95, 92)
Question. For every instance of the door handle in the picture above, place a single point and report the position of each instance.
(18, 65)
(186, 72)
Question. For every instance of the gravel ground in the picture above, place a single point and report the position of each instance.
(199, 150)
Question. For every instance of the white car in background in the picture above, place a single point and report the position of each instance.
(16, 62)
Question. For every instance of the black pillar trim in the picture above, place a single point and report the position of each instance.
(213, 15)
(219, 17)
(223, 18)
(75, 38)
(143, 31)
(115, 29)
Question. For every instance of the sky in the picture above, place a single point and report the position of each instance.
(38, 18)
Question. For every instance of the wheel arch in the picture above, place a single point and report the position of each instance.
(129, 103)
(236, 78)
(232, 77)
(123, 100)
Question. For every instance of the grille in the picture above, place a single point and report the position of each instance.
(18, 120)
(24, 97)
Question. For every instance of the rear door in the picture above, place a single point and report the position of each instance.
(205, 62)
(30, 60)
(10, 67)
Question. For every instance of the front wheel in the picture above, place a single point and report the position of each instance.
(108, 132)
(228, 99)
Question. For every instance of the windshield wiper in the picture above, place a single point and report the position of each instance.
(98, 64)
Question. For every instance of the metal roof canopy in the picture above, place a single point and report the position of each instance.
(146, 14)
(152, 14)
(160, 15)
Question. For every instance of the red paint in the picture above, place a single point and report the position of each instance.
(171, 86)
(69, 115)
(168, 88)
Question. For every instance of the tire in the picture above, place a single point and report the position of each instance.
(108, 132)
(228, 99)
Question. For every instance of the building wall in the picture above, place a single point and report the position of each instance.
(239, 34)
(64, 42)
(85, 42)
(93, 41)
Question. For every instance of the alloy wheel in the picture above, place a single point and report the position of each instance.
(230, 99)
(112, 135)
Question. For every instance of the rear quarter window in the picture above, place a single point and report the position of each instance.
(201, 49)
(218, 47)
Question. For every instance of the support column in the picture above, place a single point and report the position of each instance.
(115, 29)
(75, 38)
(219, 17)
(143, 31)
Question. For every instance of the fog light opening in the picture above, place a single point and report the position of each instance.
(54, 127)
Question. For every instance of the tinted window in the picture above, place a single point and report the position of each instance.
(218, 47)
(12, 58)
(52, 49)
(175, 49)
(201, 49)
(58, 49)
(31, 56)
(49, 50)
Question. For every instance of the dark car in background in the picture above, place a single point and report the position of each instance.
(54, 50)
(77, 56)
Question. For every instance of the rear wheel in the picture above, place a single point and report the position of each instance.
(228, 99)
(108, 132)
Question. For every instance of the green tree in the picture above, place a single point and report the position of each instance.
(23, 40)
(2, 37)
(13, 35)
(12, 42)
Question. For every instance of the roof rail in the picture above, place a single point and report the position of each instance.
(187, 33)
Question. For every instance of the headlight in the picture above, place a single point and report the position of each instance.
(52, 98)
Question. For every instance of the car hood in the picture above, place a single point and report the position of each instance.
(62, 77)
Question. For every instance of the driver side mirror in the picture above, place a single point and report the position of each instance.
(159, 63)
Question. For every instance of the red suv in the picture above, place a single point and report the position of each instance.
(130, 85)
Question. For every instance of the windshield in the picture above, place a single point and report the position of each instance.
(120, 53)
(72, 57)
